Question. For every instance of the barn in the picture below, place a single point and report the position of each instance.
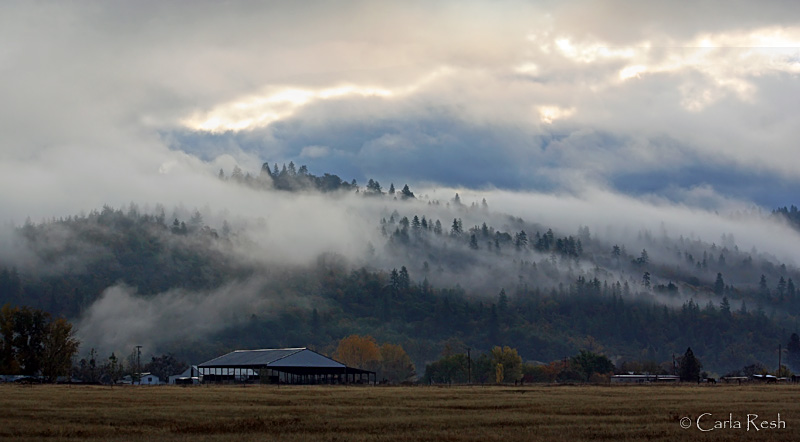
(281, 366)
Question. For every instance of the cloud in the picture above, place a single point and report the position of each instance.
(279, 103)
(106, 103)
(314, 152)
(121, 319)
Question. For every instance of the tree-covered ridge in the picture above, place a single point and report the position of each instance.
(72, 260)
(543, 324)
(288, 178)
(525, 254)
(694, 267)
(291, 178)
(443, 270)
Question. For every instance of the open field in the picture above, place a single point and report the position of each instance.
(531, 413)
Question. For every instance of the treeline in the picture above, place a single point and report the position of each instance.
(418, 231)
(791, 214)
(94, 369)
(291, 178)
(390, 362)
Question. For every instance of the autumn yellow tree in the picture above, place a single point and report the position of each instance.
(58, 348)
(396, 366)
(499, 373)
(359, 352)
(510, 360)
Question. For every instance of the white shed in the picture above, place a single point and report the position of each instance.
(148, 379)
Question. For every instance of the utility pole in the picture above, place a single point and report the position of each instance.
(139, 364)
(469, 367)
(778, 374)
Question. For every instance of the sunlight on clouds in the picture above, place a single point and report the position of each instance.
(730, 61)
(263, 110)
(278, 104)
(632, 71)
(589, 53)
(548, 114)
(527, 69)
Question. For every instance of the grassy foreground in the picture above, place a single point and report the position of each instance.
(536, 413)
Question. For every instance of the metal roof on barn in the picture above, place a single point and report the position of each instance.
(273, 358)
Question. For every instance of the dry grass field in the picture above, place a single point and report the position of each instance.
(320, 413)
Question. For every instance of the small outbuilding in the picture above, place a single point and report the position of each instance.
(148, 379)
(281, 366)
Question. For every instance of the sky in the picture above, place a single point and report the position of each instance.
(623, 116)
(113, 102)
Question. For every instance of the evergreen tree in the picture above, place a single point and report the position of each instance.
(793, 352)
(502, 303)
(521, 240)
(725, 306)
(762, 286)
(407, 193)
(781, 288)
(404, 280)
(374, 186)
(690, 367)
(437, 227)
(643, 259)
(237, 174)
(719, 285)
(456, 229)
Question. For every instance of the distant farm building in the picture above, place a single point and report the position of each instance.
(190, 376)
(284, 366)
(643, 378)
(149, 379)
(144, 379)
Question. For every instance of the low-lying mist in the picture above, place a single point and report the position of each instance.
(262, 229)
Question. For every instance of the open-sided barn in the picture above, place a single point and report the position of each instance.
(281, 365)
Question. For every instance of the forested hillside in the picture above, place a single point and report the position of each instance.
(434, 270)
